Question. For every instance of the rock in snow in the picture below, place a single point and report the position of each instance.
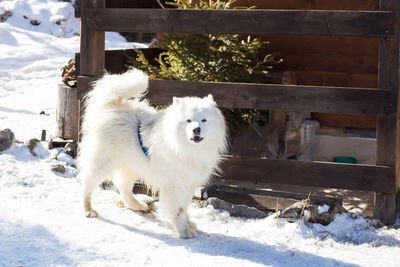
(236, 210)
(7, 139)
(31, 144)
(58, 168)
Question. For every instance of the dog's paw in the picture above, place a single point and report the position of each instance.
(135, 206)
(139, 206)
(143, 206)
(189, 232)
(91, 213)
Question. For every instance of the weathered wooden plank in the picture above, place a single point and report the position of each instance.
(115, 61)
(92, 42)
(274, 96)
(92, 47)
(337, 79)
(306, 4)
(322, 174)
(270, 96)
(277, 22)
(263, 199)
(387, 122)
(346, 120)
(84, 85)
(385, 207)
(330, 62)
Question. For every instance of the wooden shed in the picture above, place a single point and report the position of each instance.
(344, 53)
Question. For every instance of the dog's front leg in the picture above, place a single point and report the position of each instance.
(174, 201)
(184, 227)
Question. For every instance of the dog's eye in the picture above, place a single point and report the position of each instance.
(203, 120)
(188, 120)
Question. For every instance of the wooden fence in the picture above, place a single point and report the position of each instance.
(382, 102)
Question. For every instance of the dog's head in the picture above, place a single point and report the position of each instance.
(199, 120)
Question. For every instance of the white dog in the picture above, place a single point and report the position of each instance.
(175, 150)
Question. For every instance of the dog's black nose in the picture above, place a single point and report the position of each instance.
(197, 131)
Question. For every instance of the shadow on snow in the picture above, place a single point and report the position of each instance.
(238, 248)
(31, 245)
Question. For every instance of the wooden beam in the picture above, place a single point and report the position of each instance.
(92, 42)
(269, 96)
(274, 22)
(91, 51)
(84, 85)
(264, 199)
(273, 96)
(322, 174)
(387, 122)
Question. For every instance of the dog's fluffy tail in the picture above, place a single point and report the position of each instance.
(113, 89)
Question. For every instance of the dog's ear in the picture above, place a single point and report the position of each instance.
(175, 100)
(210, 99)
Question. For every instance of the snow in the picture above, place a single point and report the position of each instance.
(41, 221)
(323, 208)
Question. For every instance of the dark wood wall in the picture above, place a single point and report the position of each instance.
(325, 61)
(328, 61)
(383, 179)
(313, 4)
(132, 3)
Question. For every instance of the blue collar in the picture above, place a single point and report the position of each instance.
(144, 148)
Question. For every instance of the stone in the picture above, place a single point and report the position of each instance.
(59, 142)
(58, 168)
(236, 210)
(31, 144)
(35, 22)
(4, 16)
(71, 149)
(7, 139)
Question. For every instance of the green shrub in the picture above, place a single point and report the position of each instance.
(212, 58)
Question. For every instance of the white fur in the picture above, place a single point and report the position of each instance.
(176, 165)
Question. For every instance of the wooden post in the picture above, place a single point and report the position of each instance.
(388, 122)
(92, 43)
(385, 203)
(277, 132)
(278, 123)
(91, 52)
(67, 112)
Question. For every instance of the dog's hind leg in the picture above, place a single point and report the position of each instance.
(87, 204)
(90, 180)
(125, 183)
(88, 188)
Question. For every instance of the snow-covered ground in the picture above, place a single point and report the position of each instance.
(41, 222)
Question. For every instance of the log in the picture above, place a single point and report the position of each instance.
(263, 199)
(67, 112)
